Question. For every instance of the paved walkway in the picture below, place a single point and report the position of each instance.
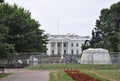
(26, 75)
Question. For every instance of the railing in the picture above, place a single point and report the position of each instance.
(69, 61)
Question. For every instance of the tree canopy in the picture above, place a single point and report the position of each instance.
(109, 26)
(5, 48)
(19, 31)
(1, 1)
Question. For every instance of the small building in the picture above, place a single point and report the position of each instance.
(65, 44)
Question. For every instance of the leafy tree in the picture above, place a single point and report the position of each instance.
(23, 31)
(109, 24)
(1, 1)
(118, 46)
(5, 48)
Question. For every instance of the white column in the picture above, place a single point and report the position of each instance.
(49, 48)
(56, 52)
(68, 48)
(62, 51)
(47, 45)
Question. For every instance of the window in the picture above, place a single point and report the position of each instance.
(52, 45)
(58, 44)
(72, 52)
(77, 51)
(71, 44)
(77, 45)
(52, 52)
(64, 44)
(58, 53)
(64, 51)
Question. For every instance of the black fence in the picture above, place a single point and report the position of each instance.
(20, 60)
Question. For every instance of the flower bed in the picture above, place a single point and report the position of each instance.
(78, 76)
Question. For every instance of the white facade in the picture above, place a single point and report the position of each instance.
(65, 44)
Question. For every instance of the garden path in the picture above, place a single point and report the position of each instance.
(26, 75)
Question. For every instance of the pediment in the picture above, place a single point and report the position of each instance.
(59, 38)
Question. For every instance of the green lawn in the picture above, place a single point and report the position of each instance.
(113, 74)
(94, 75)
(79, 66)
(102, 75)
(59, 76)
(103, 72)
(3, 75)
(62, 76)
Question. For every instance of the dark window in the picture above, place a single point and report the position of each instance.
(64, 51)
(58, 45)
(52, 52)
(72, 52)
(71, 44)
(77, 51)
(52, 45)
(77, 45)
(64, 45)
(58, 53)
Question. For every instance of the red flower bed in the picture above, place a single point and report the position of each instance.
(78, 76)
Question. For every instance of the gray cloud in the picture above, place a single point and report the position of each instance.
(74, 16)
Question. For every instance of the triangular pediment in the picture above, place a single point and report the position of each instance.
(59, 38)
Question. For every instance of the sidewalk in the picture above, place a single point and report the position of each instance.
(26, 75)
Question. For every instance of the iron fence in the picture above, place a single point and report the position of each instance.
(20, 60)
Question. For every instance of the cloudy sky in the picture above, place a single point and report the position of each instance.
(65, 16)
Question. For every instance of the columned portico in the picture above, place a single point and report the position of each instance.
(63, 44)
(58, 47)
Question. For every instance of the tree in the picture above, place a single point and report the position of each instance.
(1, 1)
(23, 31)
(109, 24)
(5, 48)
(118, 46)
(108, 30)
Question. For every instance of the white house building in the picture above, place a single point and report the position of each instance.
(65, 44)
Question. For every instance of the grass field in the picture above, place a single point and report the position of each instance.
(80, 66)
(102, 75)
(59, 76)
(111, 74)
(93, 74)
(3, 75)
(102, 72)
